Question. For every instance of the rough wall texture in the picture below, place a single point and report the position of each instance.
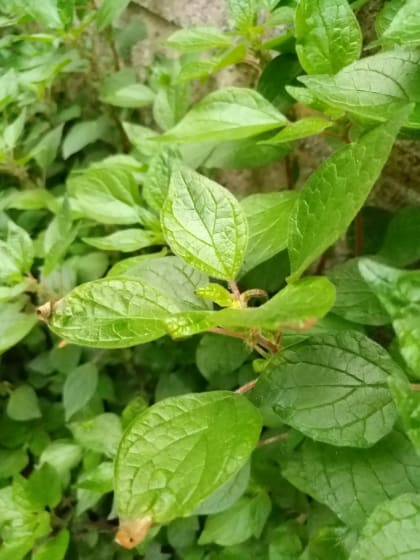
(400, 181)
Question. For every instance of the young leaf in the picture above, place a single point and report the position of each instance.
(131, 96)
(14, 325)
(180, 451)
(23, 404)
(328, 35)
(332, 186)
(171, 275)
(243, 520)
(292, 307)
(228, 114)
(404, 29)
(392, 531)
(332, 388)
(79, 388)
(197, 70)
(109, 12)
(111, 313)
(397, 290)
(303, 128)
(198, 39)
(355, 300)
(352, 482)
(401, 246)
(373, 87)
(268, 220)
(126, 240)
(217, 293)
(108, 195)
(204, 224)
(243, 13)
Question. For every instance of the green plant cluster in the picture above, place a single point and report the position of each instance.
(186, 375)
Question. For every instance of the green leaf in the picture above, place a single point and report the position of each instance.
(126, 241)
(407, 401)
(217, 293)
(62, 455)
(392, 531)
(14, 130)
(303, 128)
(12, 462)
(198, 38)
(242, 521)
(109, 12)
(328, 35)
(55, 547)
(204, 68)
(170, 104)
(386, 15)
(99, 479)
(332, 186)
(400, 246)
(16, 251)
(355, 301)
(180, 451)
(79, 388)
(59, 235)
(332, 388)
(352, 482)
(131, 96)
(243, 13)
(276, 75)
(170, 275)
(84, 133)
(227, 495)
(112, 313)
(218, 356)
(45, 12)
(204, 224)
(108, 195)
(23, 404)
(373, 87)
(101, 434)
(43, 488)
(404, 28)
(292, 307)
(228, 114)
(398, 291)
(268, 220)
(45, 151)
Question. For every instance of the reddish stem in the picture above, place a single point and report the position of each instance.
(247, 387)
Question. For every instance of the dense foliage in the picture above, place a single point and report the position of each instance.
(184, 374)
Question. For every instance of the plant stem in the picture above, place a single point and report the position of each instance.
(273, 439)
(226, 332)
(247, 387)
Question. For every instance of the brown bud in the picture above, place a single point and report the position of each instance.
(132, 533)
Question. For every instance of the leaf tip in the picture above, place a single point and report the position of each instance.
(131, 533)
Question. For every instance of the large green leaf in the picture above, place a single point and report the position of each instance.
(171, 275)
(352, 482)
(108, 195)
(292, 307)
(331, 187)
(373, 87)
(332, 388)
(405, 26)
(355, 300)
(328, 35)
(268, 220)
(392, 531)
(398, 291)
(228, 114)
(111, 313)
(180, 451)
(204, 224)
